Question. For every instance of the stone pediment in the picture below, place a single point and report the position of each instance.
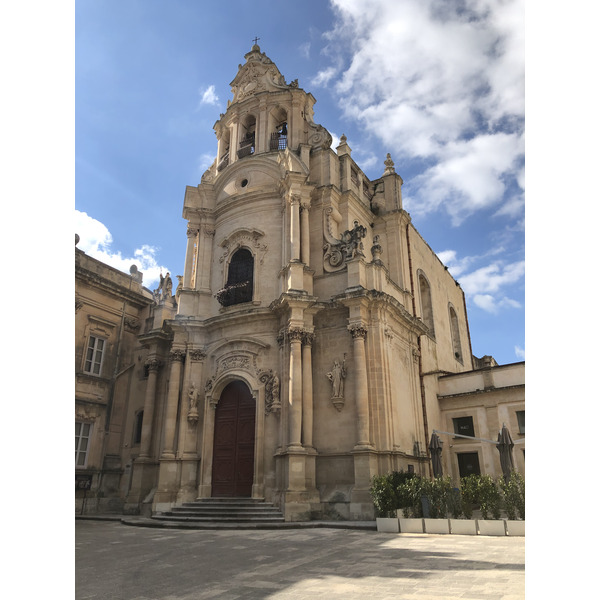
(259, 74)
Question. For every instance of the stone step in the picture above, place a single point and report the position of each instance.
(223, 510)
(212, 519)
(222, 513)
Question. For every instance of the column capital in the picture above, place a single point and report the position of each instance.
(153, 364)
(296, 334)
(358, 330)
(308, 337)
(177, 355)
(197, 354)
(193, 230)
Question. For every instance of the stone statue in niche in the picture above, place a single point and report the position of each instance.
(193, 400)
(337, 376)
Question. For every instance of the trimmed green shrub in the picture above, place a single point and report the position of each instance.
(409, 493)
(489, 497)
(514, 495)
(384, 496)
(469, 494)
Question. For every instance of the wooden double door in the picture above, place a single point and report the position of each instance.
(233, 450)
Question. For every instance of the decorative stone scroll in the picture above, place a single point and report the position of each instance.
(336, 376)
(272, 397)
(131, 324)
(337, 252)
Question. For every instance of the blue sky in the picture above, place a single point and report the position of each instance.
(438, 85)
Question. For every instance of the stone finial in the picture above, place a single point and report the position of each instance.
(389, 165)
(76, 239)
(343, 148)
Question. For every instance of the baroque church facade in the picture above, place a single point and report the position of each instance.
(314, 339)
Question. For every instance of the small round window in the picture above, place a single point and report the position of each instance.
(244, 182)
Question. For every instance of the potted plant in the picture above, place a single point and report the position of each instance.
(437, 492)
(409, 498)
(384, 500)
(514, 503)
(489, 505)
(458, 525)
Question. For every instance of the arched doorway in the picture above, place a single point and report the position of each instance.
(233, 447)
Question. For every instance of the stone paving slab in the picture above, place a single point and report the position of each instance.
(117, 562)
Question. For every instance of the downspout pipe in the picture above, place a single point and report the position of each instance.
(421, 378)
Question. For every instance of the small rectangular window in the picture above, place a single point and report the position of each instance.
(82, 441)
(464, 426)
(93, 357)
(521, 421)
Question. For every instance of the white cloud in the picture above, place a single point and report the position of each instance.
(205, 161)
(492, 277)
(322, 78)
(442, 82)
(520, 352)
(208, 96)
(304, 49)
(96, 241)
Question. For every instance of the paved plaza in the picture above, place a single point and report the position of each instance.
(120, 562)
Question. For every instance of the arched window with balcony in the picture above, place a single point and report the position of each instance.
(247, 136)
(240, 279)
(455, 334)
(426, 303)
(279, 129)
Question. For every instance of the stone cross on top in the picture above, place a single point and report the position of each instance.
(255, 40)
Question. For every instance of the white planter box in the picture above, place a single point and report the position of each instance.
(387, 525)
(411, 525)
(463, 526)
(515, 528)
(491, 527)
(437, 525)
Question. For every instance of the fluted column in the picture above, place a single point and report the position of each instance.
(153, 365)
(307, 390)
(176, 357)
(295, 387)
(359, 333)
(305, 234)
(295, 226)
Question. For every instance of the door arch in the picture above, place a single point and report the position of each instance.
(233, 445)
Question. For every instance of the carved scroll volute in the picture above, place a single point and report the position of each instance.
(272, 395)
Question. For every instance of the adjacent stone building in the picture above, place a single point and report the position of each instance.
(310, 342)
